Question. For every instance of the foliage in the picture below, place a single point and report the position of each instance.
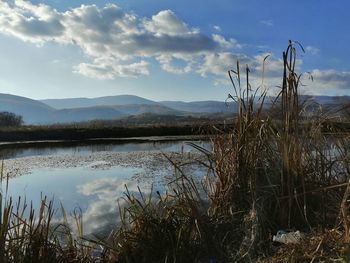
(9, 119)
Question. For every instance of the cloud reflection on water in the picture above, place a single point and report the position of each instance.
(102, 214)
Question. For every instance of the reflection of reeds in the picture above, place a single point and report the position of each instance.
(27, 235)
(266, 174)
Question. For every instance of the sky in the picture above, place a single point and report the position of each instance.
(168, 49)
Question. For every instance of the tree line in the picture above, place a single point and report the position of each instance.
(9, 119)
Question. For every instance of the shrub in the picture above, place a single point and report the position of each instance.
(9, 119)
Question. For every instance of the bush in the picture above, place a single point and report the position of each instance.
(9, 119)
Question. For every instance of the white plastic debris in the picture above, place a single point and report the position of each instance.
(288, 237)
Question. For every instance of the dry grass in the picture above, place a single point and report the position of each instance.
(269, 175)
(263, 176)
(326, 246)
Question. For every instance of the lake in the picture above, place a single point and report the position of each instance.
(91, 176)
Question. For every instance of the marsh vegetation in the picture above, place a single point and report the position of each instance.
(262, 176)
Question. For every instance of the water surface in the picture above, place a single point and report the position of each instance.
(95, 188)
(89, 147)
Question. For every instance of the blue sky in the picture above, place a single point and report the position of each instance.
(166, 50)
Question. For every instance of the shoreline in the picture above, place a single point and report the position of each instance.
(71, 133)
(5, 144)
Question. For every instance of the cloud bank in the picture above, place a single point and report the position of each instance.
(121, 44)
(117, 43)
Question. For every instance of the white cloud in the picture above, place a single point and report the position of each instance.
(121, 44)
(166, 63)
(217, 28)
(327, 81)
(111, 69)
(167, 23)
(331, 76)
(224, 43)
(268, 22)
(312, 50)
(220, 63)
(117, 43)
(37, 24)
(261, 71)
(271, 66)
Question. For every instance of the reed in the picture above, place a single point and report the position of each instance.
(27, 235)
(264, 174)
(268, 175)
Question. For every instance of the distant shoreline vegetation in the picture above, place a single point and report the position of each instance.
(81, 133)
(110, 130)
(9, 119)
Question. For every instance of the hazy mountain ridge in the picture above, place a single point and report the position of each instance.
(209, 106)
(104, 108)
(85, 114)
(30, 110)
(37, 112)
(108, 112)
(72, 103)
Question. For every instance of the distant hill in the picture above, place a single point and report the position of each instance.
(123, 106)
(123, 100)
(108, 112)
(104, 108)
(201, 106)
(323, 100)
(86, 114)
(32, 111)
(136, 109)
(73, 103)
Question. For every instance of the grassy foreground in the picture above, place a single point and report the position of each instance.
(268, 176)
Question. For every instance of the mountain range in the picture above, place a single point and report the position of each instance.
(73, 103)
(51, 111)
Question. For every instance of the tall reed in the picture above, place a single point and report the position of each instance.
(266, 174)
